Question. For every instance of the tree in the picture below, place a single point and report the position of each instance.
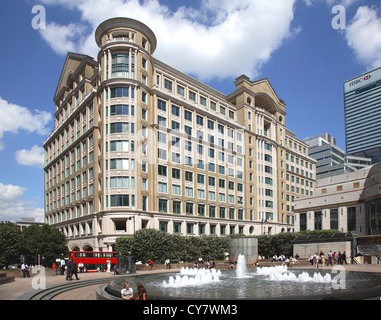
(9, 243)
(46, 241)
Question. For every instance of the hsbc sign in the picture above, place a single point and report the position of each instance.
(362, 80)
(359, 80)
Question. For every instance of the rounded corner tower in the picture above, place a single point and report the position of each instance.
(125, 76)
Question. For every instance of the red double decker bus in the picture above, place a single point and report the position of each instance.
(94, 260)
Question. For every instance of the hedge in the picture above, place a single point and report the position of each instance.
(147, 244)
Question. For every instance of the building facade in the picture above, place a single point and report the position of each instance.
(330, 158)
(349, 203)
(139, 144)
(362, 109)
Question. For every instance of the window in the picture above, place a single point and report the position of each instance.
(119, 109)
(119, 182)
(120, 127)
(162, 187)
(176, 189)
(161, 105)
(168, 84)
(187, 115)
(119, 164)
(176, 207)
(175, 142)
(176, 173)
(120, 92)
(162, 170)
(189, 208)
(175, 110)
(121, 145)
(189, 192)
(190, 228)
(177, 227)
(180, 90)
(121, 200)
(199, 120)
(163, 205)
(163, 226)
(120, 64)
(192, 95)
(188, 176)
(176, 125)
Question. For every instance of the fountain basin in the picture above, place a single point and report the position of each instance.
(359, 285)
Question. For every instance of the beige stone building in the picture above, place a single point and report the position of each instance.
(349, 203)
(139, 144)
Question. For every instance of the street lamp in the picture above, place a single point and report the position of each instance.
(263, 221)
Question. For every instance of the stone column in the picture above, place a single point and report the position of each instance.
(310, 220)
(326, 219)
(343, 219)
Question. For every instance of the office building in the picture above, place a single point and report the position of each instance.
(139, 144)
(349, 203)
(330, 158)
(362, 108)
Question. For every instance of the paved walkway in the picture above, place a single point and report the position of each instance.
(13, 290)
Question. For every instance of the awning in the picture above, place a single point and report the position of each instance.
(369, 250)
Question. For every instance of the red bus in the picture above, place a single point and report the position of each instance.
(94, 260)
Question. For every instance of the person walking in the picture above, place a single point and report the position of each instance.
(62, 264)
(150, 265)
(329, 255)
(343, 258)
(25, 270)
(316, 261)
(339, 258)
(74, 270)
(68, 270)
(311, 259)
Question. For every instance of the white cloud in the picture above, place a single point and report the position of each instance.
(220, 39)
(33, 157)
(364, 36)
(10, 115)
(13, 207)
(345, 3)
(62, 38)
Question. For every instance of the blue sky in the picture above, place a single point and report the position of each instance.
(290, 42)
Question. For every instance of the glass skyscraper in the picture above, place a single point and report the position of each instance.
(362, 107)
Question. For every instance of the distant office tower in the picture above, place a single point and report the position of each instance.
(362, 107)
(330, 158)
(138, 144)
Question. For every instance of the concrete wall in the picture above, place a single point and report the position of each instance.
(304, 250)
(246, 246)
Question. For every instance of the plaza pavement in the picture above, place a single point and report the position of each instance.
(21, 286)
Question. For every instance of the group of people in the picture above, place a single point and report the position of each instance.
(332, 258)
(71, 270)
(127, 293)
(287, 261)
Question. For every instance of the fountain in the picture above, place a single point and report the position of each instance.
(241, 270)
(277, 282)
(281, 273)
(193, 277)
